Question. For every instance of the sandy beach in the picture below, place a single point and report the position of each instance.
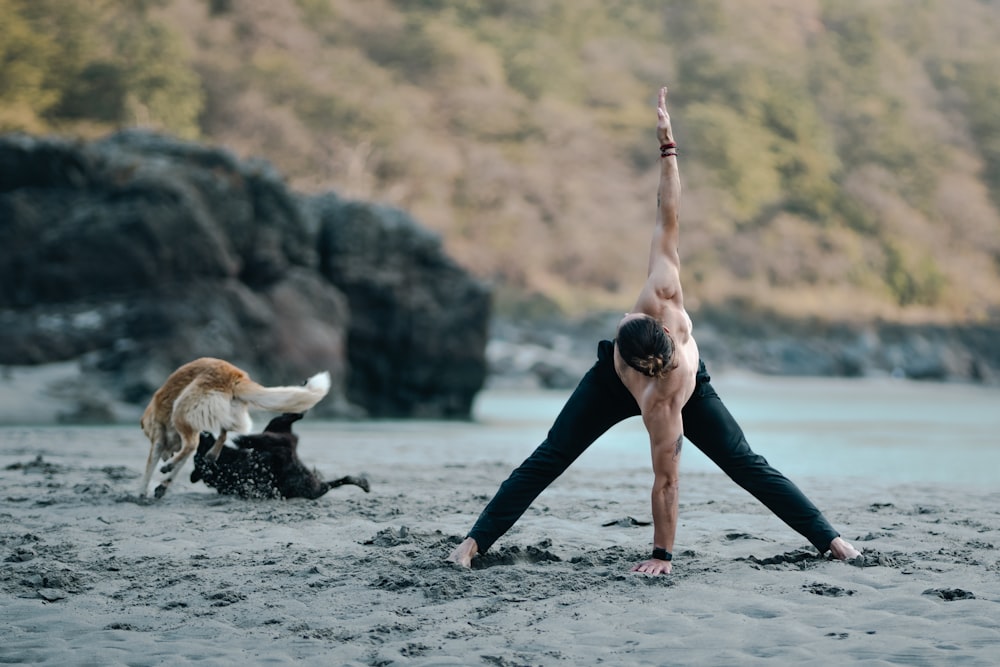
(90, 576)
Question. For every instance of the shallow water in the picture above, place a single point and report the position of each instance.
(894, 431)
(888, 430)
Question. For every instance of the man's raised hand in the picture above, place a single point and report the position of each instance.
(663, 130)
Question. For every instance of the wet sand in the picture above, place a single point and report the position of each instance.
(91, 576)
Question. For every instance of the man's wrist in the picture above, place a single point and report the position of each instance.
(662, 554)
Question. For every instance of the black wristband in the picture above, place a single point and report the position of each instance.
(662, 554)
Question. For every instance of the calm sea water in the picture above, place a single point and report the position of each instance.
(895, 430)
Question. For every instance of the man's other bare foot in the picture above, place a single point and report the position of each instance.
(843, 550)
(464, 552)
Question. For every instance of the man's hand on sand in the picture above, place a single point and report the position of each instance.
(653, 566)
(841, 549)
(463, 553)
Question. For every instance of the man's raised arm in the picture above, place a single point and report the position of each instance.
(666, 236)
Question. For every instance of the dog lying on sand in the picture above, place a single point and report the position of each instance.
(215, 396)
(264, 465)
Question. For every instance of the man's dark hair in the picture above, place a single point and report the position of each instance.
(646, 347)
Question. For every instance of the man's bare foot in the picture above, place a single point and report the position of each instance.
(464, 552)
(842, 549)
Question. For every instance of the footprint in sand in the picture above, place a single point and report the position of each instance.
(817, 588)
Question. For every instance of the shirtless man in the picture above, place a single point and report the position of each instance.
(653, 369)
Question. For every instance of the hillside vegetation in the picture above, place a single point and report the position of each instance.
(841, 158)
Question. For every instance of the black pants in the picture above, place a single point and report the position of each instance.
(599, 402)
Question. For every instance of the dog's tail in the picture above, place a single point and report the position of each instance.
(285, 399)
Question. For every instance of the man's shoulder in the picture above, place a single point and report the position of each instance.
(684, 376)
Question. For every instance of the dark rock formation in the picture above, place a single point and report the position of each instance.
(140, 252)
(419, 326)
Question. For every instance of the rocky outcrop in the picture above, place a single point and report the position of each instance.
(137, 253)
(554, 353)
(418, 331)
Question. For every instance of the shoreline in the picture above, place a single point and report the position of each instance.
(553, 353)
(61, 394)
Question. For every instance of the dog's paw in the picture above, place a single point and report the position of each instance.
(159, 491)
(167, 467)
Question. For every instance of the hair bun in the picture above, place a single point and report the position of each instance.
(656, 366)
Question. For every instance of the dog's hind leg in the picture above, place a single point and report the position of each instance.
(216, 449)
(238, 420)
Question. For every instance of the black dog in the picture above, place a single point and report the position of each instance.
(264, 465)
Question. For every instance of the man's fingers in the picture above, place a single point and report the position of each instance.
(661, 109)
(651, 568)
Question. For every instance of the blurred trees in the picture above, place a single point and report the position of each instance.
(841, 158)
(72, 66)
(27, 56)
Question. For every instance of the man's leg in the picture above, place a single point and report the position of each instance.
(713, 430)
(599, 402)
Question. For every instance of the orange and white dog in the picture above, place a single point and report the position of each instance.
(211, 395)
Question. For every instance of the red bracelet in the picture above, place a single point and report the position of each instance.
(665, 146)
